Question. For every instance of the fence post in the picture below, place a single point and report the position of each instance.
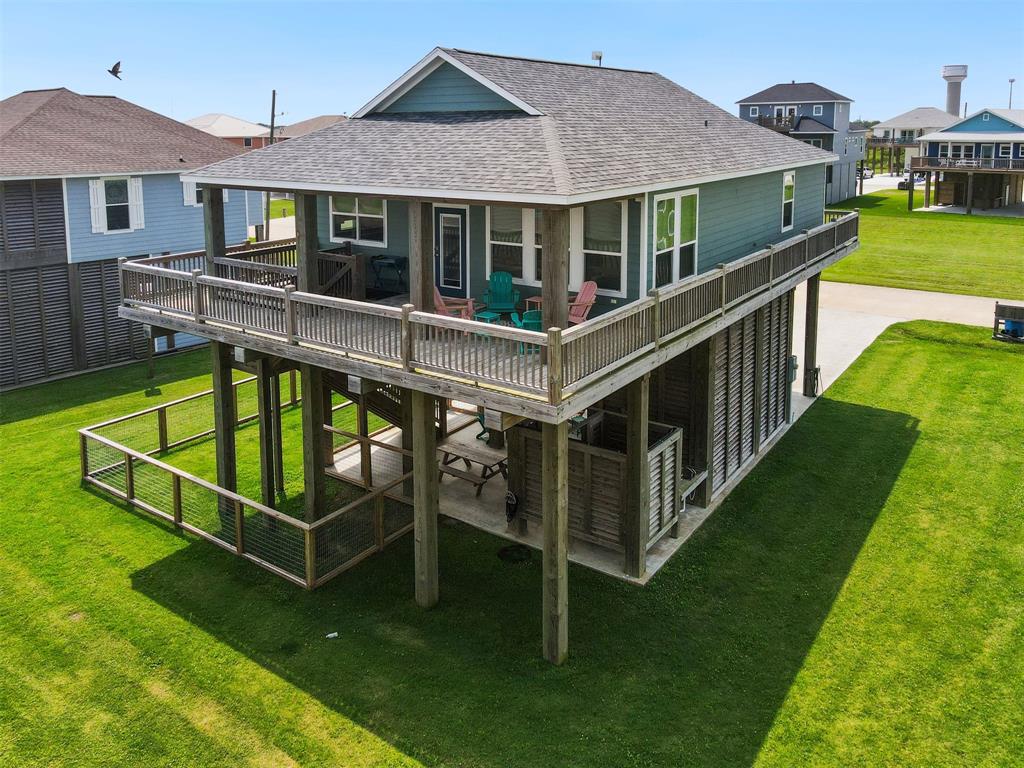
(771, 266)
(239, 527)
(722, 268)
(176, 499)
(197, 295)
(310, 555)
(835, 233)
(83, 454)
(293, 395)
(289, 318)
(406, 344)
(656, 316)
(129, 477)
(121, 276)
(554, 365)
(161, 428)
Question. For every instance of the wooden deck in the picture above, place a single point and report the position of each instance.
(546, 376)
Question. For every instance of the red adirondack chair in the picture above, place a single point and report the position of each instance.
(580, 306)
(453, 307)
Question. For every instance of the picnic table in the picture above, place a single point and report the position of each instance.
(461, 446)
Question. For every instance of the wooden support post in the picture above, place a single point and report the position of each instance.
(313, 476)
(293, 390)
(276, 423)
(811, 337)
(328, 395)
(224, 428)
(425, 507)
(265, 411)
(635, 519)
(555, 511)
(969, 201)
(407, 442)
(927, 189)
(421, 256)
(363, 429)
(213, 226)
(176, 499)
(161, 429)
(307, 246)
(555, 268)
(910, 191)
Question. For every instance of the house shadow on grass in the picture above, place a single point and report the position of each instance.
(690, 669)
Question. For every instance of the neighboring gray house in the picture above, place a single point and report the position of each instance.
(905, 130)
(85, 180)
(817, 116)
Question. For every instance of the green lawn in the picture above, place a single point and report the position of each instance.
(858, 600)
(974, 255)
(279, 208)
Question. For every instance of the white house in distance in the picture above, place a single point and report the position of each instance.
(234, 129)
(905, 130)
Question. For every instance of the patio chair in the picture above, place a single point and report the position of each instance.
(579, 307)
(532, 320)
(501, 295)
(453, 307)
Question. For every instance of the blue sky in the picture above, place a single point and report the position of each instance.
(187, 58)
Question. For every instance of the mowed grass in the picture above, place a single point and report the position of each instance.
(282, 207)
(973, 255)
(856, 601)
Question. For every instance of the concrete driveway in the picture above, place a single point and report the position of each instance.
(880, 181)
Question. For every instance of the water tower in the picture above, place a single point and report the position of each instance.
(953, 74)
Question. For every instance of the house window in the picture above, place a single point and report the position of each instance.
(361, 220)
(1005, 150)
(818, 110)
(192, 194)
(788, 199)
(538, 227)
(943, 150)
(984, 117)
(754, 112)
(247, 141)
(675, 237)
(828, 174)
(813, 142)
(604, 245)
(965, 151)
(115, 193)
(505, 240)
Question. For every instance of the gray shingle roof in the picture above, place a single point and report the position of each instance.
(600, 129)
(793, 93)
(303, 127)
(921, 117)
(59, 133)
(810, 125)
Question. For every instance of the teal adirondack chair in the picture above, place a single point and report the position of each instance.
(532, 320)
(501, 295)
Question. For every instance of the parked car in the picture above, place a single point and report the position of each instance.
(866, 173)
(905, 184)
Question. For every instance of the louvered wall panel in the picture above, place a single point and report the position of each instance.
(718, 473)
(17, 215)
(108, 338)
(60, 355)
(734, 390)
(746, 447)
(7, 374)
(50, 213)
(27, 319)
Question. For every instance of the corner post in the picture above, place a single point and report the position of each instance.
(306, 243)
(224, 426)
(635, 521)
(266, 411)
(421, 256)
(555, 510)
(555, 268)
(970, 193)
(811, 370)
(313, 477)
(425, 501)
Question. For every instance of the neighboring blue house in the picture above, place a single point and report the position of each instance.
(976, 163)
(85, 180)
(819, 117)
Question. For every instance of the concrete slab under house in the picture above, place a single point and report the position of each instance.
(479, 250)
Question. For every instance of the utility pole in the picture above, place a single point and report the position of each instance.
(273, 112)
(1012, 81)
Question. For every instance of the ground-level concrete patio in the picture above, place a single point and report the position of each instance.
(1005, 212)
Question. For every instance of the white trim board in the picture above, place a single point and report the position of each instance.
(494, 197)
(421, 70)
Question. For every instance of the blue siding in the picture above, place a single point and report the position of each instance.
(446, 89)
(736, 217)
(1016, 148)
(170, 225)
(827, 116)
(978, 124)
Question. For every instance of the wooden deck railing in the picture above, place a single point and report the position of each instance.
(542, 366)
(967, 163)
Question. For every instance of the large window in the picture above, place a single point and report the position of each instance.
(361, 220)
(754, 112)
(813, 142)
(675, 237)
(818, 110)
(961, 151)
(943, 150)
(1005, 150)
(505, 239)
(604, 245)
(115, 194)
(788, 199)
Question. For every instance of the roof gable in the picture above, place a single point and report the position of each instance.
(985, 121)
(444, 88)
(920, 117)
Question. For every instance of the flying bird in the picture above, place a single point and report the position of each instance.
(116, 70)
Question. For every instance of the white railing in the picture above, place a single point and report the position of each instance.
(968, 163)
(537, 365)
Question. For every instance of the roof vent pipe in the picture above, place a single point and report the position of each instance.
(953, 74)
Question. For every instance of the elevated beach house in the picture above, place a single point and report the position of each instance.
(84, 181)
(593, 266)
(976, 163)
(818, 116)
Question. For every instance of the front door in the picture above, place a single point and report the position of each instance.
(450, 257)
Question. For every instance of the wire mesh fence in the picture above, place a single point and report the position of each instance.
(123, 457)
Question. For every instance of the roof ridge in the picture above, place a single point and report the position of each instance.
(549, 61)
(559, 168)
(55, 93)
